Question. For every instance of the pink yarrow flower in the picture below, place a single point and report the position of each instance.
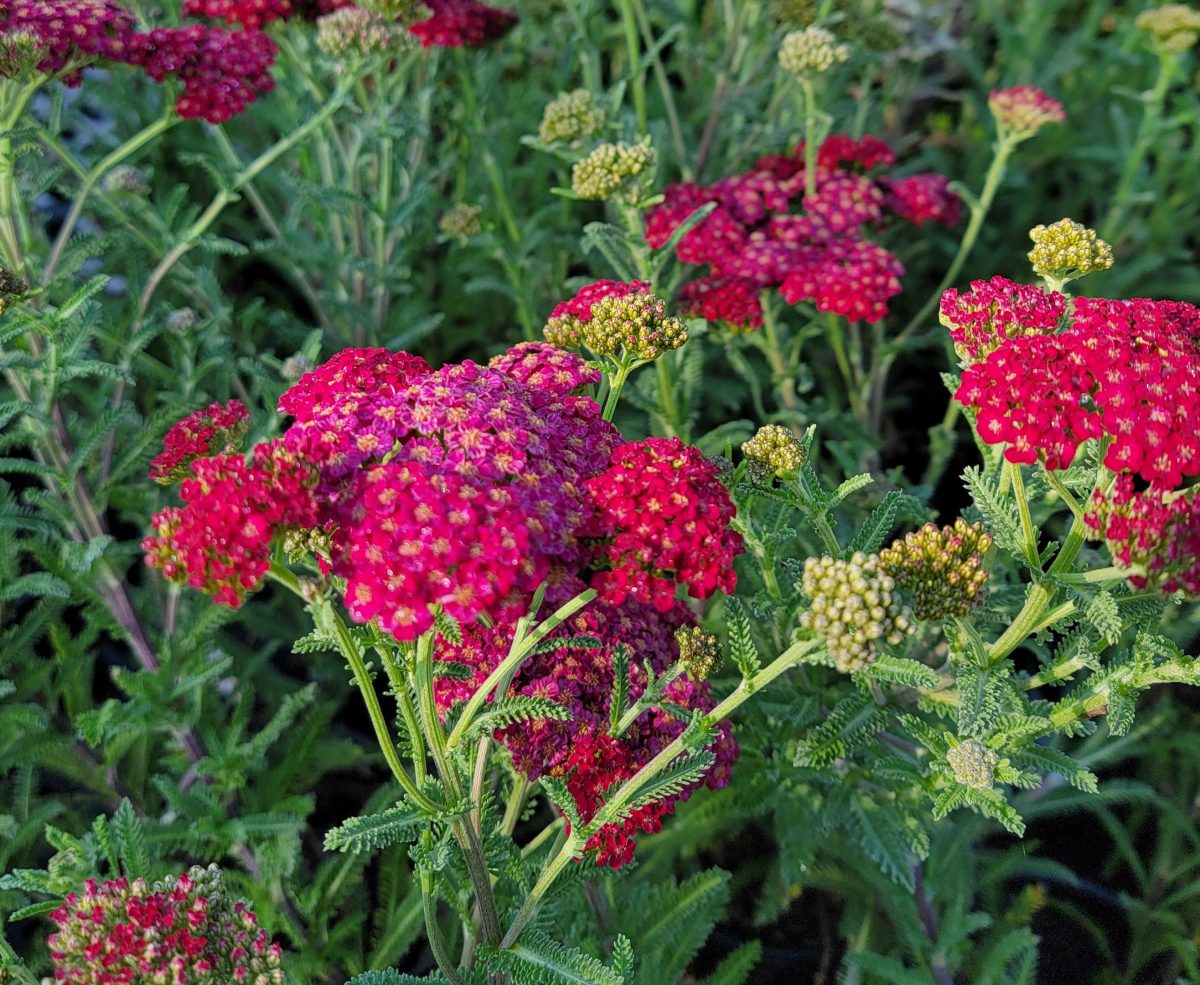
(462, 24)
(1023, 110)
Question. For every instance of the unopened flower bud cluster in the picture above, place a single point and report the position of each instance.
(855, 606)
(570, 117)
(699, 652)
(973, 764)
(11, 287)
(613, 171)
(773, 450)
(1021, 111)
(942, 568)
(353, 32)
(1067, 250)
(462, 221)
(1175, 27)
(811, 52)
(637, 322)
(20, 53)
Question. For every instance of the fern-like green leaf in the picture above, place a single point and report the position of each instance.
(536, 959)
(743, 651)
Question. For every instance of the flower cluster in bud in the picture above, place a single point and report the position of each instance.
(613, 171)
(571, 117)
(462, 24)
(699, 652)
(11, 288)
(766, 233)
(1175, 27)
(1067, 250)
(565, 327)
(774, 450)
(581, 678)
(125, 179)
(973, 764)
(661, 518)
(941, 568)
(854, 605)
(184, 930)
(636, 323)
(213, 431)
(354, 33)
(1021, 111)
(802, 12)
(811, 52)
(21, 51)
(462, 221)
(994, 311)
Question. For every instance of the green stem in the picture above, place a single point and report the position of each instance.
(227, 195)
(667, 403)
(666, 90)
(433, 930)
(398, 679)
(616, 384)
(810, 138)
(1167, 65)
(9, 205)
(633, 47)
(940, 440)
(106, 164)
(1064, 494)
(631, 715)
(1030, 546)
(629, 790)
(838, 342)
(783, 372)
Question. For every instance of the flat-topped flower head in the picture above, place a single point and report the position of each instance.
(973, 764)
(922, 198)
(184, 930)
(21, 51)
(1175, 27)
(1021, 111)
(699, 652)
(774, 450)
(543, 366)
(570, 118)
(357, 33)
(854, 606)
(811, 52)
(636, 323)
(462, 221)
(69, 33)
(565, 326)
(462, 24)
(614, 171)
(942, 568)
(731, 302)
(662, 518)
(1067, 250)
(994, 311)
(213, 431)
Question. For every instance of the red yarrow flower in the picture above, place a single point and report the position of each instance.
(73, 32)
(256, 13)
(730, 301)
(922, 198)
(211, 431)
(994, 311)
(662, 518)
(462, 24)
(1024, 109)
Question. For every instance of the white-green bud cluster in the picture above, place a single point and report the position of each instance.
(462, 221)
(773, 450)
(352, 33)
(125, 179)
(571, 117)
(1175, 27)
(855, 607)
(810, 52)
(973, 764)
(637, 322)
(1067, 250)
(613, 171)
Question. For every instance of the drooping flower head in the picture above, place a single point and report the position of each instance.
(662, 518)
(211, 431)
(1021, 111)
(184, 930)
(462, 24)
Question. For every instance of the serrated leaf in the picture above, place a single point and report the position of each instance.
(536, 959)
(374, 832)
(877, 526)
(614, 245)
(999, 514)
(743, 651)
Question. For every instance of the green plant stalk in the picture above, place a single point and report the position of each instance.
(106, 164)
(628, 791)
(810, 138)
(1064, 494)
(837, 341)
(464, 832)
(781, 369)
(9, 204)
(631, 714)
(1032, 555)
(616, 383)
(633, 47)
(523, 644)
(398, 678)
(665, 90)
(1151, 117)
(433, 930)
(228, 195)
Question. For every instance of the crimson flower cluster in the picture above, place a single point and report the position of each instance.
(216, 428)
(184, 930)
(222, 71)
(580, 675)
(256, 13)
(757, 238)
(1044, 375)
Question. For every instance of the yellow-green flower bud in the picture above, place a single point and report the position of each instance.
(20, 54)
(802, 12)
(11, 288)
(352, 33)
(774, 450)
(613, 171)
(639, 323)
(1175, 27)
(570, 117)
(855, 607)
(811, 52)
(565, 331)
(1067, 250)
(462, 221)
(699, 652)
(973, 764)
(942, 568)
(402, 12)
